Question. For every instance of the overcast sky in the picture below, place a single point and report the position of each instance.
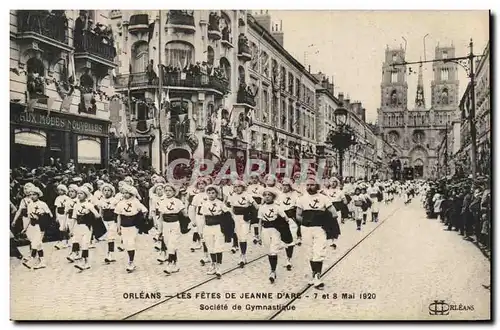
(350, 45)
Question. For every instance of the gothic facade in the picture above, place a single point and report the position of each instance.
(416, 132)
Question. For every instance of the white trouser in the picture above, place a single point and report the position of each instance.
(357, 213)
(375, 205)
(156, 221)
(200, 224)
(242, 228)
(293, 228)
(26, 220)
(129, 234)
(214, 239)
(62, 220)
(171, 234)
(111, 230)
(272, 240)
(314, 238)
(35, 236)
(81, 235)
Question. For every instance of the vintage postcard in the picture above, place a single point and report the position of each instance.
(250, 165)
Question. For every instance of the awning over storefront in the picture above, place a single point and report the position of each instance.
(89, 151)
(34, 138)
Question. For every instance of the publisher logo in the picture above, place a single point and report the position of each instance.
(439, 307)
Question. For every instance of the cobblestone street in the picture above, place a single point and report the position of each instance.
(406, 263)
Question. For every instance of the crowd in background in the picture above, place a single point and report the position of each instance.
(463, 205)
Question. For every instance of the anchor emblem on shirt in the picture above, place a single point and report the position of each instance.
(287, 201)
(213, 208)
(242, 201)
(171, 206)
(315, 205)
(128, 208)
(270, 214)
(82, 210)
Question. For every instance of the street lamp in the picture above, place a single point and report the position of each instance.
(342, 137)
(340, 117)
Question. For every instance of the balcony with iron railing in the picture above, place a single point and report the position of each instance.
(213, 30)
(46, 26)
(96, 47)
(244, 52)
(181, 20)
(246, 97)
(138, 23)
(172, 79)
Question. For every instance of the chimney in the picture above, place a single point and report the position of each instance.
(363, 114)
(278, 34)
(347, 102)
(264, 20)
(341, 98)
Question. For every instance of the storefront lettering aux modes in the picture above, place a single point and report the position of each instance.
(37, 136)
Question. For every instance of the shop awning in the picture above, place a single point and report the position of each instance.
(32, 138)
(89, 151)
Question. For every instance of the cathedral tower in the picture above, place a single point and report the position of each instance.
(419, 97)
(444, 87)
(394, 88)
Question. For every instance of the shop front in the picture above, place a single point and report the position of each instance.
(37, 139)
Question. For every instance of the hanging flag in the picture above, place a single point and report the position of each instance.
(216, 148)
(119, 148)
(199, 153)
(50, 103)
(71, 68)
(136, 146)
(66, 102)
(30, 103)
(127, 147)
(166, 104)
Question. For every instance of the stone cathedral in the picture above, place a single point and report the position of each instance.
(416, 133)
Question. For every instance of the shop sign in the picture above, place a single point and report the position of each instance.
(76, 125)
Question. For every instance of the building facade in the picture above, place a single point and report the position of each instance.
(285, 112)
(462, 156)
(417, 133)
(361, 160)
(202, 55)
(61, 62)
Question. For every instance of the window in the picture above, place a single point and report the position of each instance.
(179, 54)
(290, 83)
(290, 116)
(298, 121)
(283, 114)
(394, 77)
(445, 55)
(275, 112)
(444, 74)
(140, 57)
(283, 78)
(226, 68)
(210, 55)
(265, 106)
(264, 142)
(297, 87)
(394, 57)
(253, 136)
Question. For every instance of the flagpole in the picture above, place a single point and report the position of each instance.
(160, 92)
